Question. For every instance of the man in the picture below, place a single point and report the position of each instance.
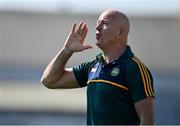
(119, 85)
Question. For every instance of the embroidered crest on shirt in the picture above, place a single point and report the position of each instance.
(115, 71)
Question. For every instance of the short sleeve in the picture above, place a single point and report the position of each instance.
(139, 80)
(81, 72)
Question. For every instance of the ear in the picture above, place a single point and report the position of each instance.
(121, 32)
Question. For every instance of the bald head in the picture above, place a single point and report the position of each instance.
(120, 18)
(112, 30)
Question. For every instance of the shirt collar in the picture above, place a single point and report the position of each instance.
(123, 58)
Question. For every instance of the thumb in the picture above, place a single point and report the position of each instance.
(87, 47)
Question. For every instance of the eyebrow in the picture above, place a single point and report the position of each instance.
(103, 21)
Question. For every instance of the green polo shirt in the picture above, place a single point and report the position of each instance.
(113, 88)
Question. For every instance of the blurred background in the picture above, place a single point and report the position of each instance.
(33, 31)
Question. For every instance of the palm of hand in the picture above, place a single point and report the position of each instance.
(76, 38)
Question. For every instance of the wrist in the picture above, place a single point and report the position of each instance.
(68, 51)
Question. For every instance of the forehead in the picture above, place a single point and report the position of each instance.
(104, 17)
(107, 17)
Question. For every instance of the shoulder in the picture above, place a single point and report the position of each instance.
(132, 64)
(89, 64)
(85, 66)
(135, 63)
(136, 66)
(139, 79)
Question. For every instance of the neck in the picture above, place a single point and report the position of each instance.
(114, 53)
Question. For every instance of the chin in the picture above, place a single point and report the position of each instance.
(98, 44)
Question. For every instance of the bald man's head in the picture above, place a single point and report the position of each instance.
(121, 19)
(112, 29)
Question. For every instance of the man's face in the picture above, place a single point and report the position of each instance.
(106, 30)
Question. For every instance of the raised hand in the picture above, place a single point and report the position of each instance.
(75, 40)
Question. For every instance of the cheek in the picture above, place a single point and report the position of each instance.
(104, 27)
(105, 31)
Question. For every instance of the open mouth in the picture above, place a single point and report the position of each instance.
(98, 36)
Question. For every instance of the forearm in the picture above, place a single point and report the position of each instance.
(147, 115)
(145, 111)
(56, 67)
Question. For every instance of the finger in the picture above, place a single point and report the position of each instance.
(84, 31)
(79, 27)
(87, 47)
(73, 29)
(83, 26)
(81, 32)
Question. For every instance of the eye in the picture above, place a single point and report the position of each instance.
(98, 22)
(104, 22)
